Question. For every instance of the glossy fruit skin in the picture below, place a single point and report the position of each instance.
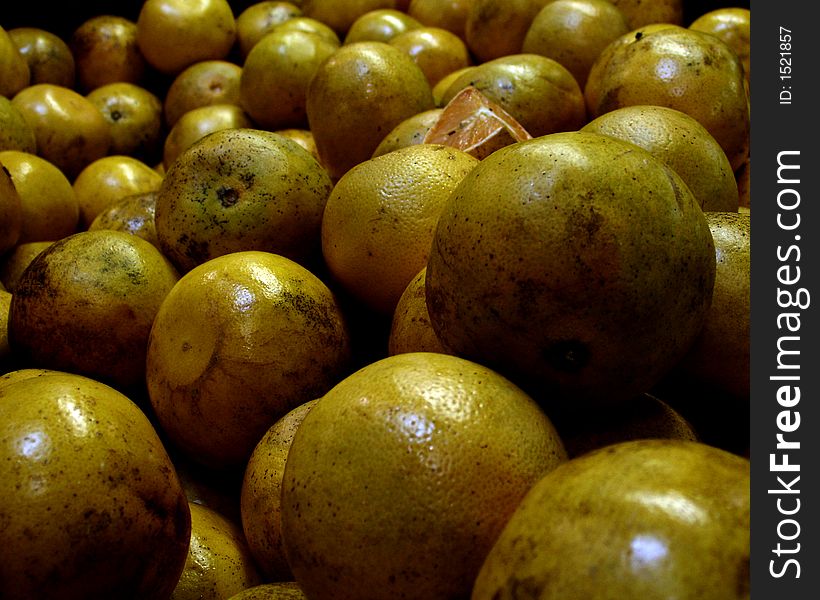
(436, 51)
(650, 518)
(71, 132)
(733, 26)
(259, 19)
(105, 51)
(269, 335)
(203, 83)
(379, 219)
(109, 179)
(241, 189)
(399, 478)
(49, 58)
(574, 32)
(691, 71)
(11, 212)
(357, 96)
(682, 143)
(219, 563)
(86, 304)
(91, 505)
(14, 69)
(199, 122)
(135, 117)
(540, 93)
(261, 494)
(585, 281)
(133, 214)
(174, 34)
(410, 328)
(275, 77)
(48, 202)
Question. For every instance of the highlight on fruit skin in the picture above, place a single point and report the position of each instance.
(652, 518)
(400, 477)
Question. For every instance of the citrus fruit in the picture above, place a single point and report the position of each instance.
(400, 477)
(720, 357)
(309, 25)
(680, 142)
(574, 32)
(47, 199)
(268, 335)
(15, 132)
(339, 15)
(14, 71)
(5, 349)
(133, 214)
(110, 179)
(198, 123)
(691, 71)
(436, 51)
(440, 88)
(261, 494)
(275, 76)
(649, 518)
(201, 84)
(15, 261)
(379, 219)
(733, 26)
(357, 96)
(259, 19)
(475, 124)
(639, 13)
(410, 328)
(219, 563)
(70, 130)
(496, 28)
(135, 118)
(380, 25)
(174, 34)
(92, 507)
(540, 93)
(11, 212)
(86, 304)
(409, 132)
(49, 58)
(241, 189)
(574, 263)
(105, 51)
(303, 137)
(449, 14)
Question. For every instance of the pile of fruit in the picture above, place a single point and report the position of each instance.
(364, 299)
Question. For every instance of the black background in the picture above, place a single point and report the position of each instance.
(65, 19)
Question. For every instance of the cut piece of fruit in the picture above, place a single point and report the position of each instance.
(475, 124)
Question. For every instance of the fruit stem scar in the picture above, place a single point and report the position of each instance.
(227, 196)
